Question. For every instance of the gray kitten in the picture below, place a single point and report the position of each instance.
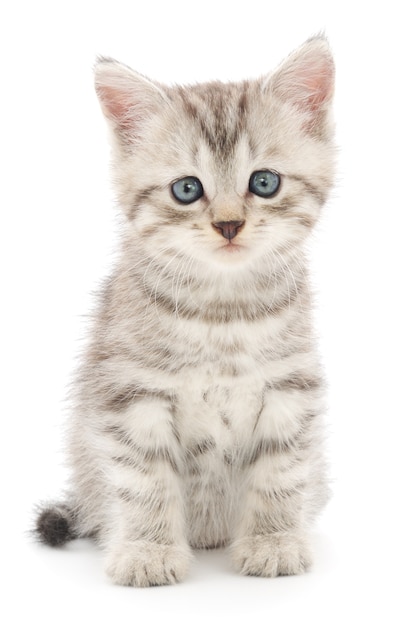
(198, 405)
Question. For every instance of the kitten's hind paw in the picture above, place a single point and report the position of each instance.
(147, 564)
(271, 555)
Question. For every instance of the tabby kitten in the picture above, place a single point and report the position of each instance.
(198, 405)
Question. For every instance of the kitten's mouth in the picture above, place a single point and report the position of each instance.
(231, 247)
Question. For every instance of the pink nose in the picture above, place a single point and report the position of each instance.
(228, 230)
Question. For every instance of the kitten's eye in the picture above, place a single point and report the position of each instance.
(264, 183)
(187, 190)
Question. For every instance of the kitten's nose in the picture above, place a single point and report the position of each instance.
(228, 229)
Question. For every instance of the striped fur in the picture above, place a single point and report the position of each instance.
(198, 405)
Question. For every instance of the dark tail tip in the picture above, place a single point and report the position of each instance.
(55, 525)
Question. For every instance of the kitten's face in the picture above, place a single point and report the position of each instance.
(227, 175)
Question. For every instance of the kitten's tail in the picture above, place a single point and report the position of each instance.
(56, 524)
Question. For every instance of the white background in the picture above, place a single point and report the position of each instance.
(57, 232)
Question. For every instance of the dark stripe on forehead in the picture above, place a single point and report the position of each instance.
(219, 135)
(219, 111)
(242, 105)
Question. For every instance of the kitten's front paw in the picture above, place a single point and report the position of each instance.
(271, 555)
(146, 564)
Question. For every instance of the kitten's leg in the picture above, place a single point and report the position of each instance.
(145, 538)
(284, 477)
(208, 502)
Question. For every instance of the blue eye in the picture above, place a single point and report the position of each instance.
(264, 183)
(187, 190)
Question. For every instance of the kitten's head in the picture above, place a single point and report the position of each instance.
(223, 174)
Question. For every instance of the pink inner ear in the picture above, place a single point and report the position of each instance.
(315, 85)
(117, 104)
(306, 80)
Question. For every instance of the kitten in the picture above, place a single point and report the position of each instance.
(198, 405)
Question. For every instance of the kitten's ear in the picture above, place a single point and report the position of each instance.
(306, 80)
(127, 99)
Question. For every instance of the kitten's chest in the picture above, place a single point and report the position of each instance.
(220, 412)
